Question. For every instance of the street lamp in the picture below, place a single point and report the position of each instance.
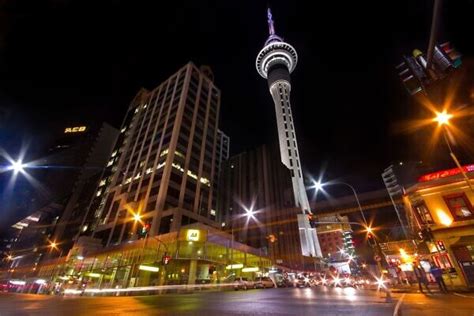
(319, 186)
(443, 121)
(17, 166)
(137, 217)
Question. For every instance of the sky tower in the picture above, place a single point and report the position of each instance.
(275, 62)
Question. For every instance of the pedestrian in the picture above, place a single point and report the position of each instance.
(438, 275)
(420, 277)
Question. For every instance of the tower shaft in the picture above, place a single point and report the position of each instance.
(280, 91)
(275, 62)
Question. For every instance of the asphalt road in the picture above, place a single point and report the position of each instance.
(290, 301)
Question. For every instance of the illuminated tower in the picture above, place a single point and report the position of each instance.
(275, 62)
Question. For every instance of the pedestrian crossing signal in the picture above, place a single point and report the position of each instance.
(441, 245)
(166, 259)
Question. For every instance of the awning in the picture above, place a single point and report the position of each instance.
(464, 241)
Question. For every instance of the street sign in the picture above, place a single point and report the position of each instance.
(377, 258)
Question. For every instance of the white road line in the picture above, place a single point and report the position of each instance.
(462, 295)
(395, 312)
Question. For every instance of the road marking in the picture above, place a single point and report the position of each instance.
(462, 295)
(395, 312)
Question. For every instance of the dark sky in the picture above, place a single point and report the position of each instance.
(64, 61)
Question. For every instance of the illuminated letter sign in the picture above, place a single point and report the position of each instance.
(192, 235)
(77, 129)
(445, 173)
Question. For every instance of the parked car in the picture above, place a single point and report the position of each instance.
(243, 284)
(264, 282)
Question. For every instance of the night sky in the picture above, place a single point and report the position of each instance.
(67, 62)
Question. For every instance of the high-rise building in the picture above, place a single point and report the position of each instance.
(69, 176)
(257, 203)
(163, 167)
(275, 62)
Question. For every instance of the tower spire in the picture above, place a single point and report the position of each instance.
(271, 28)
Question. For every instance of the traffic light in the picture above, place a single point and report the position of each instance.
(144, 229)
(441, 245)
(165, 259)
(371, 239)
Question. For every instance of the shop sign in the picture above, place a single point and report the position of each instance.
(193, 235)
(445, 173)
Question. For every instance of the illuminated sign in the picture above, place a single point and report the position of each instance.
(148, 268)
(250, 269)
(445, 173)
(77, 129)
(192, 235)
(234, 266)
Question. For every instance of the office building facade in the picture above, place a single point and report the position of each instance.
(163, 166)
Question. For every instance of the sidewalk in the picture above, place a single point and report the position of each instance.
(433, 288)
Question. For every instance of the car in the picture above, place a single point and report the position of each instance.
(284, 282)
(264, 282)
(302, 281)
(243, 284)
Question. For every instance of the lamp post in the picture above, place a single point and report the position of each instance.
(319, 186)
(443, 121)
(249, 214)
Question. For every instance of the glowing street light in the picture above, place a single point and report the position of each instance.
(443, 122)
(137, 217)
(53, 245)
(318, 185)
(249, 212)
(17, 166)
(442, 118)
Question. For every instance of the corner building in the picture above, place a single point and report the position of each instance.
(164, 163)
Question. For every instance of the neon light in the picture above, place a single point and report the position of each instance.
(445, 173)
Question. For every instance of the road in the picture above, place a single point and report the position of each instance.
(275, 302)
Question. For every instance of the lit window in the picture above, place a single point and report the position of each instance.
(128, 180)
(213, 212)
(423, 214)
(123, 130)
(110, 163)
(149, 170)
(102, 182)
(98, 193)
(459, 206)
(114, 153)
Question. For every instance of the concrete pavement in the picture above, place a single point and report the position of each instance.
(275, 302)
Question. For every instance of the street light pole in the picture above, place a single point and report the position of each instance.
(443, 120)
(318, 185)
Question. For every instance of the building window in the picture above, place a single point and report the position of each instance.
(423, 214)
(459, 206)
